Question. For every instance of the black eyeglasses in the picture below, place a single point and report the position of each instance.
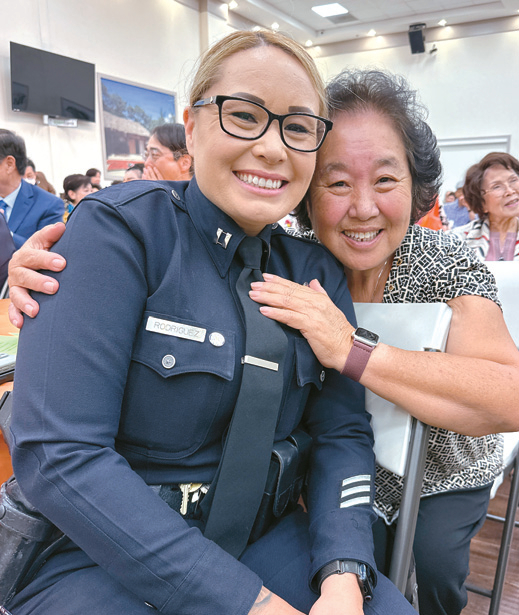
(244, 119)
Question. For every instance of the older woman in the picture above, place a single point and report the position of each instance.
(492, 191)
(377, 173)
(120, 453)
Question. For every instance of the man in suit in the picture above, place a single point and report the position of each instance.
(26, 208)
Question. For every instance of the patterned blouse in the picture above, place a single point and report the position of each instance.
(478, 237)
(430, 267)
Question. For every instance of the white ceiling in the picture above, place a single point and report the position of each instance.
(384, 16)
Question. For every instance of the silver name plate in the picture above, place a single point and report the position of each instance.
(175, 329)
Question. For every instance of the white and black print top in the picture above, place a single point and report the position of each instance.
(429, 267)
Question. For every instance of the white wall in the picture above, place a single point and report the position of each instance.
(470, 85)
(151, 42)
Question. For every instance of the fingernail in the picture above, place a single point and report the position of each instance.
(49, 286)
(268, 276)
(254, 294)
(29, 310)
(256, 285)
(58, 262)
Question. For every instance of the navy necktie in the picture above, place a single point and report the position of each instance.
(243, 470)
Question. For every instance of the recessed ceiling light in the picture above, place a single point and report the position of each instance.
(233, 5)
(372, 32)
(442, 22)
(275, 26)
(308, 43)
(329, 10)
(256, 28)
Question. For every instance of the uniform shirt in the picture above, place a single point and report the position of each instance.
(146, 403)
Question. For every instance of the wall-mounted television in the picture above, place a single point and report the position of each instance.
(51, 84)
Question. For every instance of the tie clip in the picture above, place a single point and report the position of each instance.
(260, 363)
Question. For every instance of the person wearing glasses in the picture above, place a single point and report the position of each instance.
(166, 156)
(492, 191)
(120, 453)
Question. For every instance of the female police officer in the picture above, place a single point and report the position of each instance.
(140, 408)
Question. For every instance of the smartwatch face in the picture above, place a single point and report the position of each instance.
(366, 336)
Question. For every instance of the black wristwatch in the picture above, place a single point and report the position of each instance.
(340, 566)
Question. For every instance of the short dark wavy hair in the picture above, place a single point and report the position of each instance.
(12, 144)
(391, 96)
(474, 178)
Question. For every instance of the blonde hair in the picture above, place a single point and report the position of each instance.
(211, 61)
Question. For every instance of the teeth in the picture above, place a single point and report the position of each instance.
(361, 236)
(254, 180)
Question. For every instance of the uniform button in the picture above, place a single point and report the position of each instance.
(175, 194)
(322, 376)
(275, 225)
(168, 361)
(216, 339)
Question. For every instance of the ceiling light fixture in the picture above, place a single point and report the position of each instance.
(330, 10)
(308, 43)
(442, 23)
(372, 32)
(275, 26)
(233, 5)
(256, 28)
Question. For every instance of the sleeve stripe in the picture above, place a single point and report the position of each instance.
(356, 502)
(356, 479)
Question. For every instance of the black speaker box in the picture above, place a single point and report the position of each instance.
(417, 38)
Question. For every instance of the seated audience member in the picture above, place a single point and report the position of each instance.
(377, 172)
(6, 248)
(458, 212)
(75, 188)
(492, 191)
(95, 176)
(450, 197)
(27, 208)
(166, 155)
(30, 173)
(43, 183)
(133, 172)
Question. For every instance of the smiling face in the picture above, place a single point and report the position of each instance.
(361, 192)
(501, 194)
(234, 173)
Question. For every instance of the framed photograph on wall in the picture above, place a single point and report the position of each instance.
(129, 113)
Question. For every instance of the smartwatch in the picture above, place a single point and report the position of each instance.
(340, 566)
(364, 342)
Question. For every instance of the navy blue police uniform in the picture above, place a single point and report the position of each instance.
(128, 378)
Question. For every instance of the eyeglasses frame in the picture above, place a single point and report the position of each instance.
(219, 100)
(504, 183)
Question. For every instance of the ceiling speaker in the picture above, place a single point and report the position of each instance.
(417, 37)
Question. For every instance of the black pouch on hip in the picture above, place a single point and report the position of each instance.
(285, 481)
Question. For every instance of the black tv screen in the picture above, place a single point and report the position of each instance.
(50, 84)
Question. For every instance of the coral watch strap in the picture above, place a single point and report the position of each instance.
(357, 360)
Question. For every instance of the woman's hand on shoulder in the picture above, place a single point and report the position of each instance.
(268, 603)
(24, 276)
(309, 309)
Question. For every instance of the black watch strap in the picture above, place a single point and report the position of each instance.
(340, 566)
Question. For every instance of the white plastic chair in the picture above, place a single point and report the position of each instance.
(401, 440)
(507, 278)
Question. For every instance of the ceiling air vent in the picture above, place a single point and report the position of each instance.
(339, 20)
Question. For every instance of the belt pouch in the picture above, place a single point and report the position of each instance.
(285, 481)
(24, 533)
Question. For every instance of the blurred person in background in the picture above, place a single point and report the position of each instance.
(43, 183)
(166, 155)
(75, 188)
(133, 172)
(95, 176)
(30, 172)
(492, 191)
(27, 208)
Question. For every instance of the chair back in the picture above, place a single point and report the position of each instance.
(410, 326)
(506, 274)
